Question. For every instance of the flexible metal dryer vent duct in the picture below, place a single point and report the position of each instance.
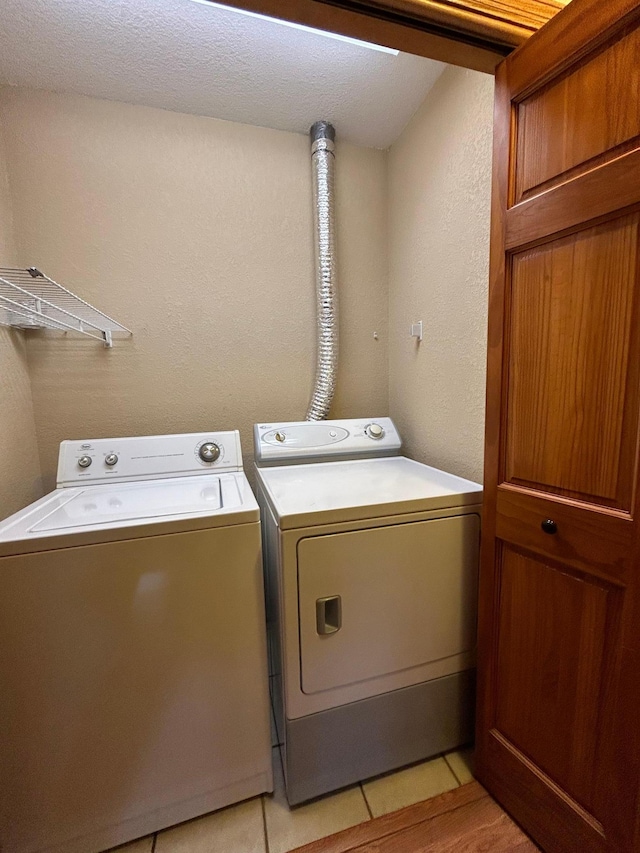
(322, 164)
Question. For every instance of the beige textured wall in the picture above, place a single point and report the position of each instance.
(439, 204)
(197, 234)
(19, 463)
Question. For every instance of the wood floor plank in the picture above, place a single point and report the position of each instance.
(354, 837)
(473, 828)
(465, 820)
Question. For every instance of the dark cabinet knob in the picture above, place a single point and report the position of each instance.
(549, 526)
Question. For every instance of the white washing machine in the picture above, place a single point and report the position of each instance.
(371, 563)
(132, 645)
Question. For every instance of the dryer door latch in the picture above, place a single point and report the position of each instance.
(329, 614)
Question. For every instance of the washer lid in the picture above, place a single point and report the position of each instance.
(216, 499)
(328, 492)
(108, 504)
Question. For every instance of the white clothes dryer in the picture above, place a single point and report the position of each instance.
(371, 563)
(132, 645)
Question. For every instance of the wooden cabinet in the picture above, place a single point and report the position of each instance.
(559, 648)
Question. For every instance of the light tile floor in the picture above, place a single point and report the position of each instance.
(461, 762)
(404, 787)
(267, 824)
(237, 828)
(288, 828)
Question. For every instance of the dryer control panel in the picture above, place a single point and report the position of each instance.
(325, 441)
(147, 457)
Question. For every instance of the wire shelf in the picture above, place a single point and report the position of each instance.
(31, 300)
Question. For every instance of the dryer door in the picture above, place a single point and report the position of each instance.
(376, 602)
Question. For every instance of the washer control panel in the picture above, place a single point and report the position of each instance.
(314, 441)
(147, 457)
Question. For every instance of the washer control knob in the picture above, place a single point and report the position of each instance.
(85, 461)
(280, 436)
(375, 431)
(209, 452)
(110, 459)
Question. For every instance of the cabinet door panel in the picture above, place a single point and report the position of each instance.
(551, 654)
(570, 123)
(571, 425)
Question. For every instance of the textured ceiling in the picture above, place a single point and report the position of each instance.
(194, 58)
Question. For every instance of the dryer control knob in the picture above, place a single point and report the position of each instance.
(375, 431)
(280, 436)
(85, 461)
(110, 459)
(209, 452)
